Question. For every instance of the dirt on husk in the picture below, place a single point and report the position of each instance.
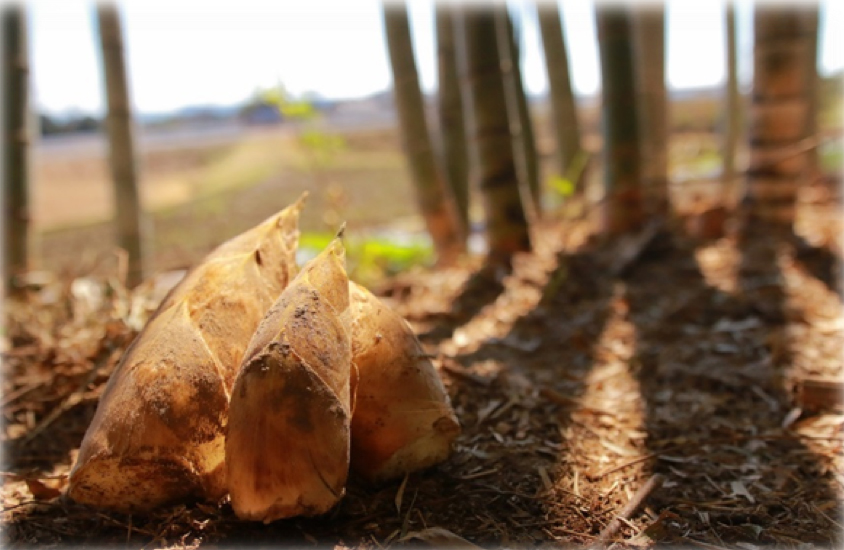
(654, 367)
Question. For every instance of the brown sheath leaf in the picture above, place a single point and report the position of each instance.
(287, 446)
(403, 420)
(158, 433)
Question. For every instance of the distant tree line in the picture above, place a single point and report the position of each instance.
(75, 124)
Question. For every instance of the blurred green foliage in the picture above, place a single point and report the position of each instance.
(565, 186)
(322, 146)
(371, 258)
(288, 107)
(832, 156)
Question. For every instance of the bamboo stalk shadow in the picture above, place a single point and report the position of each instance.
(554, 346)
(711, 367)
(481, 289)
(822, 263)
(713, 379)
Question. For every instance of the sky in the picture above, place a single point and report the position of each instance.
(187, 52)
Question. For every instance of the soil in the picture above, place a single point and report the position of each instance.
(598, 373)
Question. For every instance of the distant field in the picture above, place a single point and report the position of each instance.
(199, 195)
(72, 185)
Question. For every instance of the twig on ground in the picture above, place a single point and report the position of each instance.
(464, 374)
(654, 483)
(20, 392)
(629, 463)
(632, 247)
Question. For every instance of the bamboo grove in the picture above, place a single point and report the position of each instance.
(492, 148)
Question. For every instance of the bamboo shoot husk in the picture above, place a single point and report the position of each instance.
(403, 420)
(159, 430)
(287, 447)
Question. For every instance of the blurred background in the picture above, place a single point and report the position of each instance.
(238, 107)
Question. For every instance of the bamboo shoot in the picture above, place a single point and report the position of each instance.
(403, 420)
(287, 446)
(158, 433)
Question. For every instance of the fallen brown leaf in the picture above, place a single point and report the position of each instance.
(41, 491)
(439, 537)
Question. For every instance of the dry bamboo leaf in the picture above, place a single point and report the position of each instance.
(400, 494)
(815, 394)
(41, 491)
(158, 433)
(439, 537)
(740, 489)
(546, 480)
(403, 420)
(287, 445)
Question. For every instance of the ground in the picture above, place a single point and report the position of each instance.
(595, 369)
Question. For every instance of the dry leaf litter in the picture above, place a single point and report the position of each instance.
(648, 390)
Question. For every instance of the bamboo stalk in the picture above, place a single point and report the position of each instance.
(779, 111)
(455, 156)
(649, 39)
(16, 130)
(813, 16)
(489, 135)
(521, 126)
(620, 122)
(563, 104)
(131, 229)
(732, 112)
(435, 201)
